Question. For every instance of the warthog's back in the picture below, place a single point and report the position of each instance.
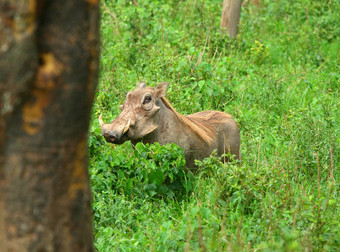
(223, 132)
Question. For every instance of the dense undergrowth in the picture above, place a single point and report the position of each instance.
(279, 79)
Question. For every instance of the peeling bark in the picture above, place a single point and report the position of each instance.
(48, 72)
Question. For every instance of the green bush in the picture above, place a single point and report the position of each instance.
(148, 171)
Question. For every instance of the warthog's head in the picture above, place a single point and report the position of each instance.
(137, 118)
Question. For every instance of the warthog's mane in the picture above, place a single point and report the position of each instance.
(204, 124)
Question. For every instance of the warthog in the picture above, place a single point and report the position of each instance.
(148, 117)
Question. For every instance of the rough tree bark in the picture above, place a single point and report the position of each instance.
(48, 72)
(231, 12)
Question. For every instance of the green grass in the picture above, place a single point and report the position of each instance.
(279, 79)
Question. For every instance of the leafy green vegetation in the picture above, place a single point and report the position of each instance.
(279, 79)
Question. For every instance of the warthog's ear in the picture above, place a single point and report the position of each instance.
(141, 84)
(161, 89)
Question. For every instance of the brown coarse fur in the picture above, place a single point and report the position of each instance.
(148, 117)
(203, 125)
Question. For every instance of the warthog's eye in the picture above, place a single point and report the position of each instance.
(147, 99)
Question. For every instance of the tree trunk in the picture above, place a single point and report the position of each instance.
(231, 16)
(48, 72)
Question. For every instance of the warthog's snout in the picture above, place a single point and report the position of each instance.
(110, 134)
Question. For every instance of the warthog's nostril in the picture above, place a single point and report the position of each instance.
(110, 137)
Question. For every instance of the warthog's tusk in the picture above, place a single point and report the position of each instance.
(101, 123)
(126, 127)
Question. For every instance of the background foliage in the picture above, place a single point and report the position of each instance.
(279, 79)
